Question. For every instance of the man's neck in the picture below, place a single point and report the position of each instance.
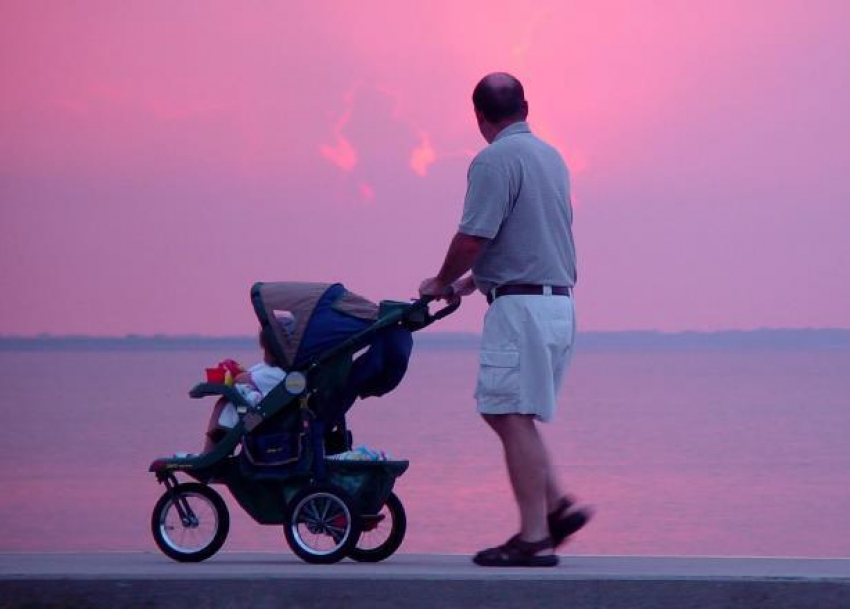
(499, 127)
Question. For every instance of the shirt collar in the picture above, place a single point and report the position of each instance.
(513, 128)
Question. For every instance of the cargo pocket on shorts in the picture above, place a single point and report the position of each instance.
(498, 380)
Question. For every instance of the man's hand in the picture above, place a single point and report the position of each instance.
(452, 293)
(433, 287)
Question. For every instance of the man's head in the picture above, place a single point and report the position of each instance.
(499, 101)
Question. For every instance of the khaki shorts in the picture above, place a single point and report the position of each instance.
(526, 346)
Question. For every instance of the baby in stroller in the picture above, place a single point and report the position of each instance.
(253, 384)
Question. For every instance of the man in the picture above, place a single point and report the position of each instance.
(516, 238)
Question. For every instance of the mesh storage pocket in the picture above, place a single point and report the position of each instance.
(274, 449)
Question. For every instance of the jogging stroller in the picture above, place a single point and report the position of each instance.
(274, 460)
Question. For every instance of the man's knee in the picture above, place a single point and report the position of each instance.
(491, 419)
(505, 423)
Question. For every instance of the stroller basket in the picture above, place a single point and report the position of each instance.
(368, 482)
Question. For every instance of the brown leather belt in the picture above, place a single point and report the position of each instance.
(524, 289)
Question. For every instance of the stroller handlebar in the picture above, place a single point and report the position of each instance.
(419, 316)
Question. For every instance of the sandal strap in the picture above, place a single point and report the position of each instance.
(529, 548)
(564, 504)
(517, 553)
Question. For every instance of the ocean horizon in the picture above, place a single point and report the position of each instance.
(624, 340)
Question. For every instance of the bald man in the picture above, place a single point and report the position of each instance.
(516, 238)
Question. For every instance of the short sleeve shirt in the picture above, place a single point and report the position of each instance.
(518, 197)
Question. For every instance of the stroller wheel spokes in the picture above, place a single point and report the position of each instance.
(382, 534)
(322, 526)
(190, 522)
(324, 515)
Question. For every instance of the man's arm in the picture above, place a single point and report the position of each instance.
(463, 252)
(464, 286)
(461, 256)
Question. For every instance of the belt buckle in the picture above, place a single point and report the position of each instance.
(547, 290)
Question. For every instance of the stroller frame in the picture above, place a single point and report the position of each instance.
(324, 505)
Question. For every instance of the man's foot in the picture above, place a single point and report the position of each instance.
(517, 553)
(564, 521)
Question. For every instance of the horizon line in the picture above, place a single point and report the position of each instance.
(759, 339)
(445, 333)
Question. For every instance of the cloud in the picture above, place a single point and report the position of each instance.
(342, 152)
(423, 155)
(374, 104)
(367, 192)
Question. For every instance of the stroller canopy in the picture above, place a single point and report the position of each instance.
(285, 309)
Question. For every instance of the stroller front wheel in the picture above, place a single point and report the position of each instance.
(322, 526)
(190, 522)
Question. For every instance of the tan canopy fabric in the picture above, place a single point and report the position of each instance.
(284, 310)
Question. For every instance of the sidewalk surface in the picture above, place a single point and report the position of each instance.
(412, 581)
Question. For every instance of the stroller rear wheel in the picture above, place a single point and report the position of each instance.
(382, 534)
(190, 522)
(321, 524)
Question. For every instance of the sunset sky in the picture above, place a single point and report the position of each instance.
(157, 158)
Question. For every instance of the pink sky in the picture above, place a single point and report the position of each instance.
(156, 158)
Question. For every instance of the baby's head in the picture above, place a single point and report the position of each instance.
(268, 356)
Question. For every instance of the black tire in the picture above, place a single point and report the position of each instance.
(385, 538)
(199, 539)
(322, 526)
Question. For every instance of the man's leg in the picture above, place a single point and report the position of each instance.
(528, 470)
(554, 492)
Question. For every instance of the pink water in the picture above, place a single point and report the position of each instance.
(684, 453)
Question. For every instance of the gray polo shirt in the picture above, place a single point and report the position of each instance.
(518, 197)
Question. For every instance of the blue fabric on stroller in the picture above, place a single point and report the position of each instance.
(374, 372)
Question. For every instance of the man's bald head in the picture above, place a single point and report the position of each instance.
(499, 97)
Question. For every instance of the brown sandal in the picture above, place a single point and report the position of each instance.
(564, 521)
(517, 553)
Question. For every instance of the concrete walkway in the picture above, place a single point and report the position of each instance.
(412, 581)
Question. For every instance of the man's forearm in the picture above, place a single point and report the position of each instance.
(463, 252)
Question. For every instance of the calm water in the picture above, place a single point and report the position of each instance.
(706, 453)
